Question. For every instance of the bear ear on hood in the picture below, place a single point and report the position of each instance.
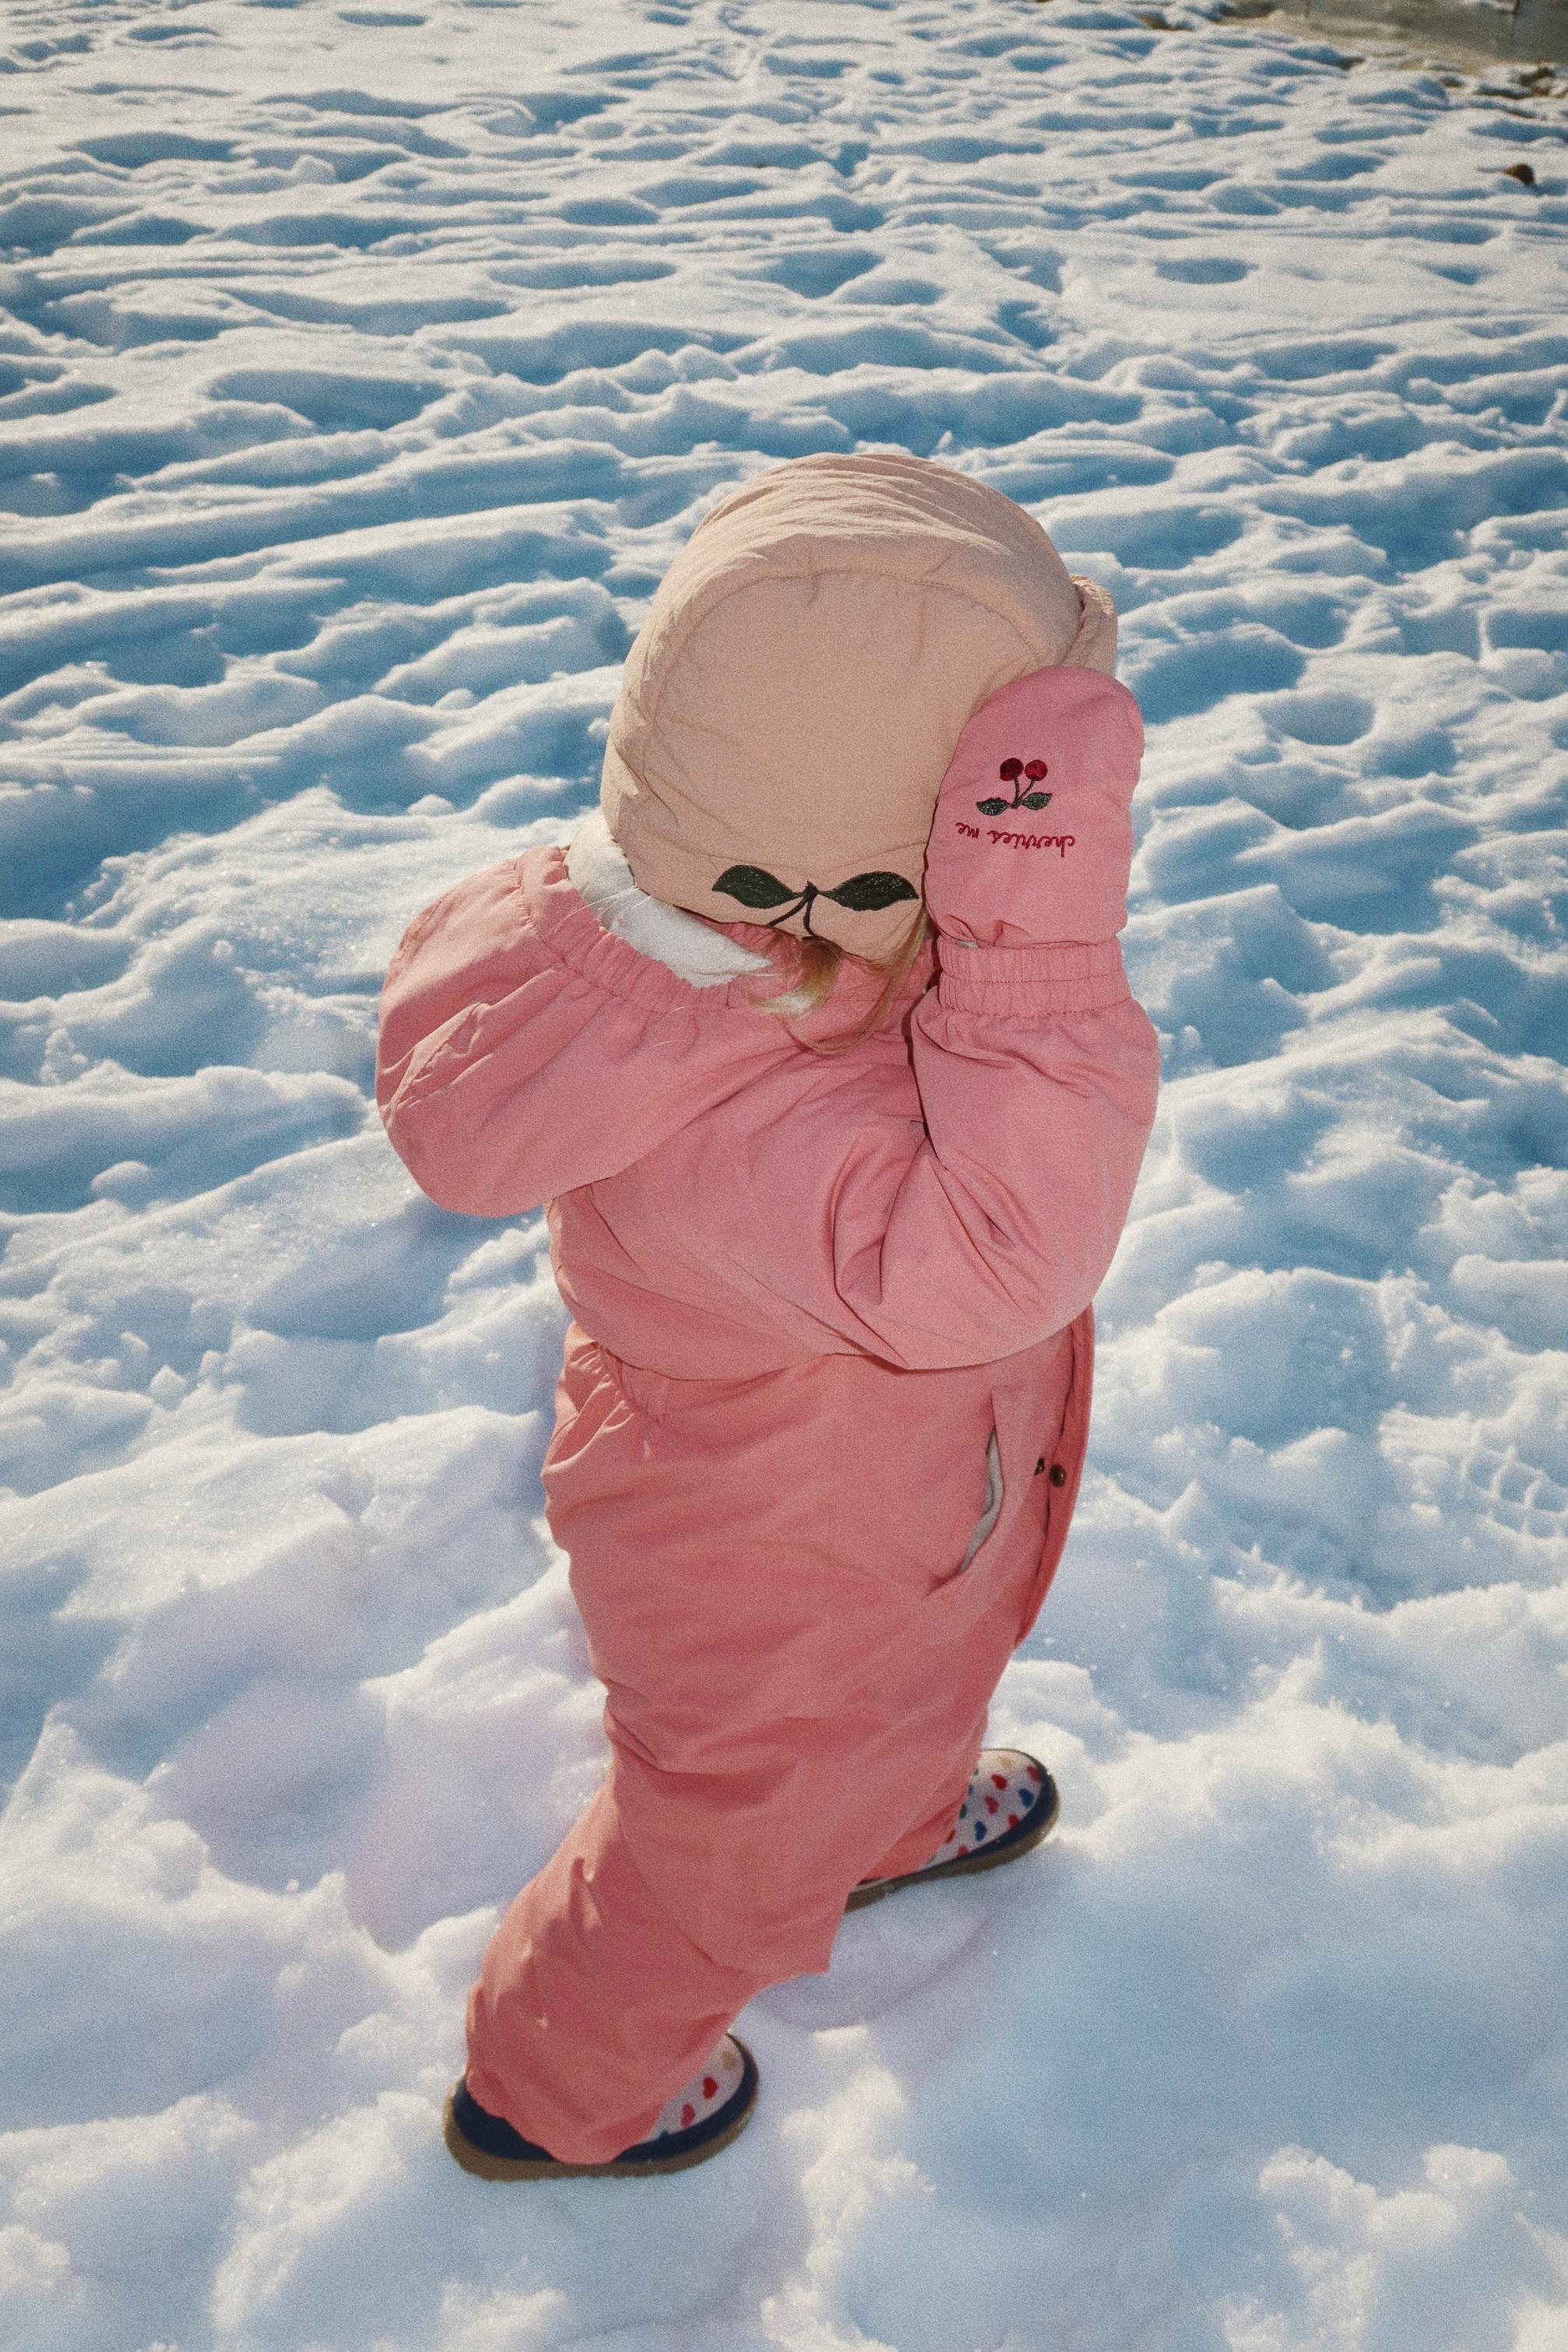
(792, 699)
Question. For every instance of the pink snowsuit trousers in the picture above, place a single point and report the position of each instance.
(807, 1294)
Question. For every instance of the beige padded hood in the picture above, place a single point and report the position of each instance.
(795, 695)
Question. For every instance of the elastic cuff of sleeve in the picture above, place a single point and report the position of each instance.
(1065, 977)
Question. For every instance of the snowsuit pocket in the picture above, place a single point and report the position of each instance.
(994, 1501)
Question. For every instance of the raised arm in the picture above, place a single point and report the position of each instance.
(1037, 1073)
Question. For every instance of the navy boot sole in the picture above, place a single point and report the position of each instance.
(1009, 1848)
(671, 2152)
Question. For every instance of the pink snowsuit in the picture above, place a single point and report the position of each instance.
(818, 1303)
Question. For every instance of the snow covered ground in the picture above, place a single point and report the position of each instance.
(362, 368)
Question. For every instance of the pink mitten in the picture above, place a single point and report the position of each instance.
(1032, 837)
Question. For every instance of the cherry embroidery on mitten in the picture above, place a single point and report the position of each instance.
(1050, 865)
(1010, 771)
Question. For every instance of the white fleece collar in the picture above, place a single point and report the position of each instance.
(688, 947)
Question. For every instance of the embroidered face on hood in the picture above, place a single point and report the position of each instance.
(793, 700)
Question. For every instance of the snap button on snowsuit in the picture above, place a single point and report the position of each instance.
(1058, 1474)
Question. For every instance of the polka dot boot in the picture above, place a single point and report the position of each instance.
(693, 2126)
(1011, 1803)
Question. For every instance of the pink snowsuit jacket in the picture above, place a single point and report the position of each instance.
(810, 1296)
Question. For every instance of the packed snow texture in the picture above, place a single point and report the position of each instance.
(363, 369)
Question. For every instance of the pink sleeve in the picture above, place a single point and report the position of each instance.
(505, 1076)
(508, 1076)
(1037, 1074)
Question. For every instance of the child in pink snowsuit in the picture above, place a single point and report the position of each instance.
(823, 1411)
